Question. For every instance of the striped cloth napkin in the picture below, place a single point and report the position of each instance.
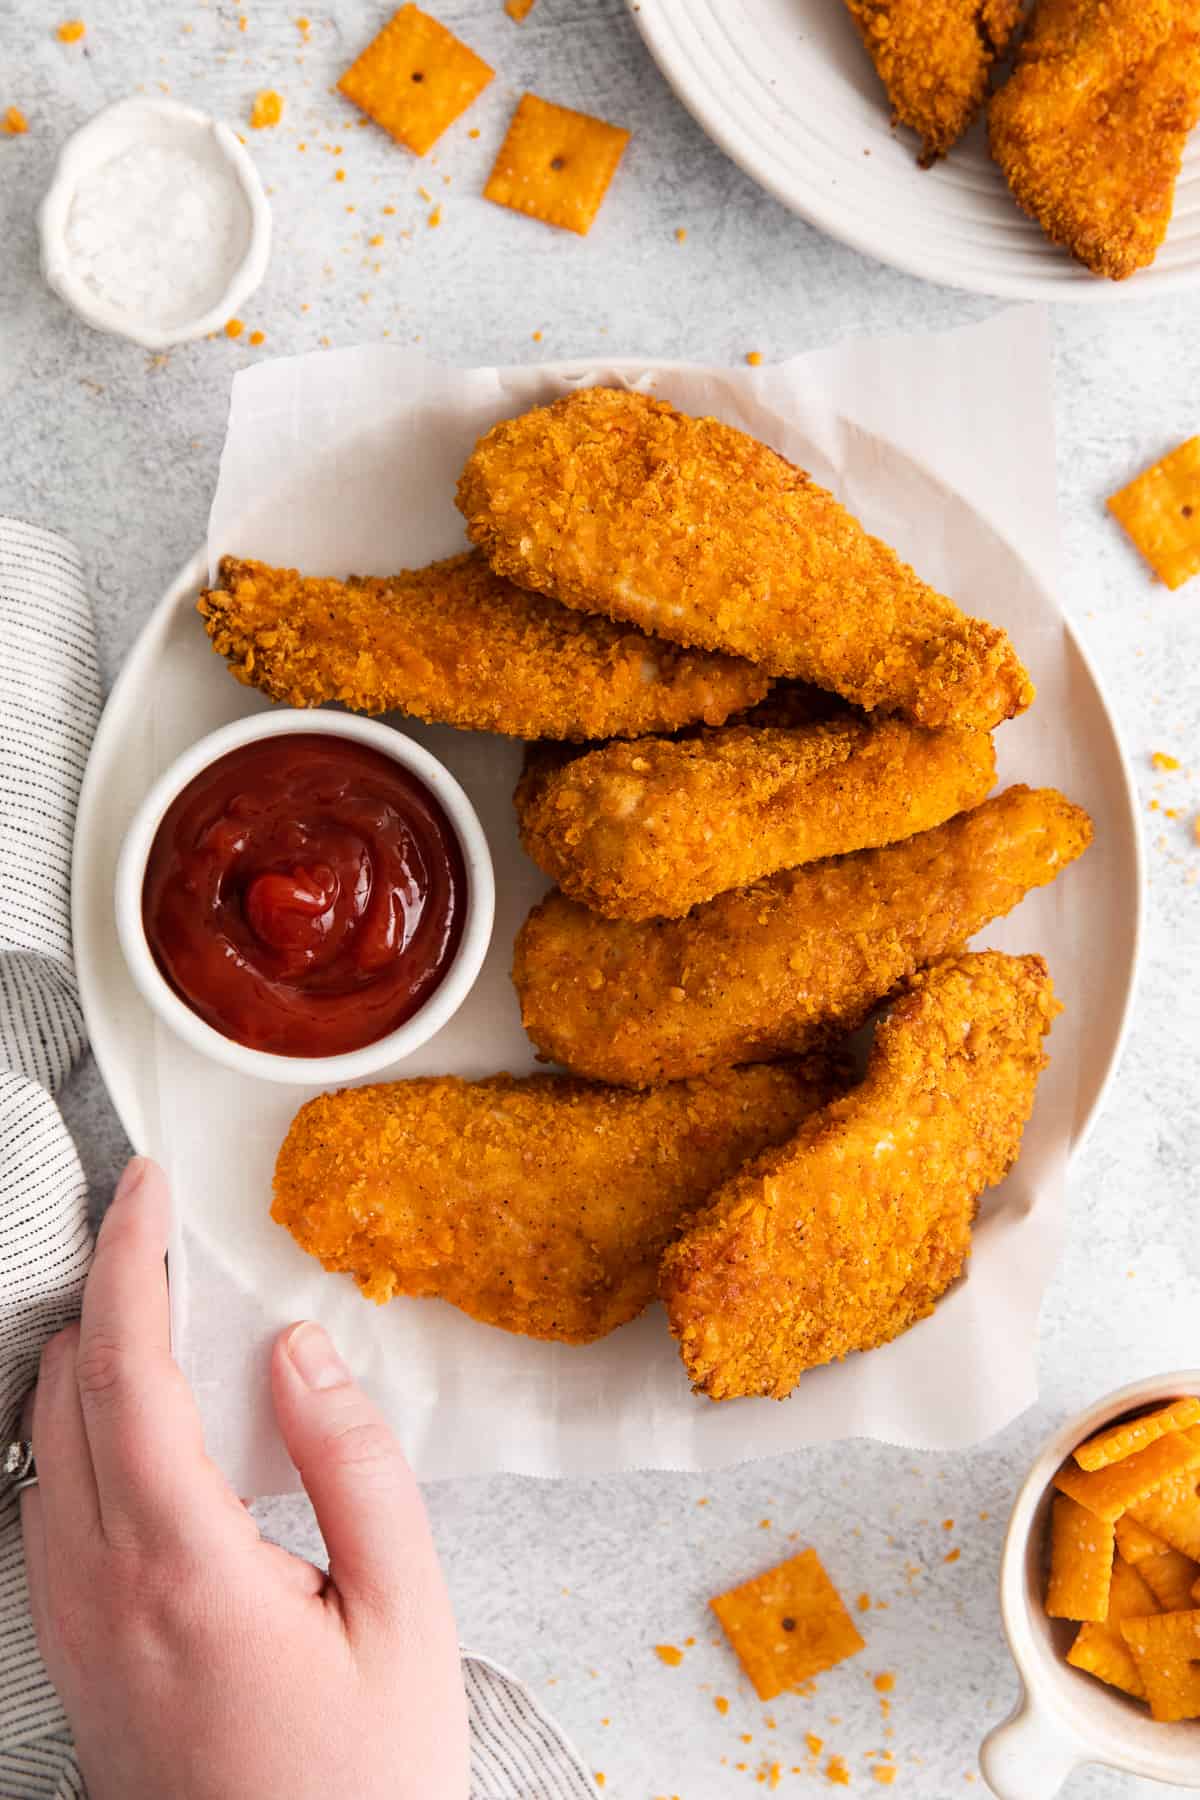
(49, 705)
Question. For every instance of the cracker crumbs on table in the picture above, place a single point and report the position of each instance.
(304, 26)
(681, 234)
(518, 9)
(754, 358)
(257, 338)
(670, 1654)
(884, 1773)
(837, 1772)
(267, 109)
(885, 1681)
(952, 1556)
(600, 1777)
(234, 328)
(435, 218)
(415, 78)
(70, 31)
(864, 1603)
(721, 1704)
(15, 122)
(1161, 760)
(339, 174)
(555, 164)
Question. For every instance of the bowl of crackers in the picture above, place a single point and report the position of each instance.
(1100, 1596)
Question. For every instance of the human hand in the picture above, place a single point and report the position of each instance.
(195, 1660)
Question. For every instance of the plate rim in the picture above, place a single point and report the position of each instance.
(104, 1041)
(714, 119)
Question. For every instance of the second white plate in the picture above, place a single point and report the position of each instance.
(787, 90)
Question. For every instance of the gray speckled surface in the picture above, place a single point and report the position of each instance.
(572, 1583)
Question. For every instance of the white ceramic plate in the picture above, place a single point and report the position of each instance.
(787, 90)
(445, 1379)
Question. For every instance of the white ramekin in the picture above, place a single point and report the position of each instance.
(447, 997)
(125, 125)
(1064, 1716)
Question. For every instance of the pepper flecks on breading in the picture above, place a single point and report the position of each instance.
(650, 829)
(1090, 130)
(935, 58)
(617, 504)
(853, 1231)
(541, 1204)
(794, 961)
(457, 645)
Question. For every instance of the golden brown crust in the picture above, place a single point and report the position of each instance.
(1091, 128)
(935, 59)
(615, 503)
(455, 644)
(541, 1205)
(853, 1231)
(792, 962)
(650, 829)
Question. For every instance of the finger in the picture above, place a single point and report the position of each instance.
(33, 1533)
(153, 1480)
(368, 1505)
(65, 1497)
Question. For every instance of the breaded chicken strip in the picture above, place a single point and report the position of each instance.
(852, 1232)
(1090, 130)
(455, 644)
(615, 503)
(541, 1205)
(793, 962)
(935, 58)
(650, 829)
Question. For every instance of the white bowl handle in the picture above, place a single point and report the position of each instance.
(1029, 1756)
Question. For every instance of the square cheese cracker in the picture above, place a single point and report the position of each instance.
(415, 79)
(787, 1624)
(1161, 512)
(555, 164)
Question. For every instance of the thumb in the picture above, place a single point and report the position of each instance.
(368, 1505)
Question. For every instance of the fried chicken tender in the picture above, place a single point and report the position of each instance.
(935, 58)
(541, 1205)
(1090, 130)
(457, 645)
(615, 503)
(651, 829)
(853, 1231)
(788, 964)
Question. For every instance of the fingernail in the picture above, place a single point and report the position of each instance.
(314, 1358)
(132, 1178)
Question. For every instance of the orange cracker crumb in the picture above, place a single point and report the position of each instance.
(837, 1772)
(15, 122)
(555, 164)
(787, 1624)
(1160, 760)
(376, 239)
(339, 174)
(303, 26)
(234, 328)
(70, 31)
(764, 1524)
(754, 358)
(267, 109)
(518, 9)
(721, 1704)
(670, 1654)
(599, 1777)
(884, 1773)
(257, 338)
(435, 218)
(813, 1744)
(243, 21)
(864, 1603)
(681, 234)
(947, 1524)
(885, 1681)
(415, 78)
(1160, 511)
(952, 1556)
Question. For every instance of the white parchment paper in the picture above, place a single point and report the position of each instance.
(346, 462)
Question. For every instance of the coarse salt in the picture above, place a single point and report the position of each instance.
(158, 233)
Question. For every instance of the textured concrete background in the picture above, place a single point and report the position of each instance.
(572, 1583)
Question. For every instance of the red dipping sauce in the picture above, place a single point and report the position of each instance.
(305, 895)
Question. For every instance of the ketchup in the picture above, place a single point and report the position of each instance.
(304, 895)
